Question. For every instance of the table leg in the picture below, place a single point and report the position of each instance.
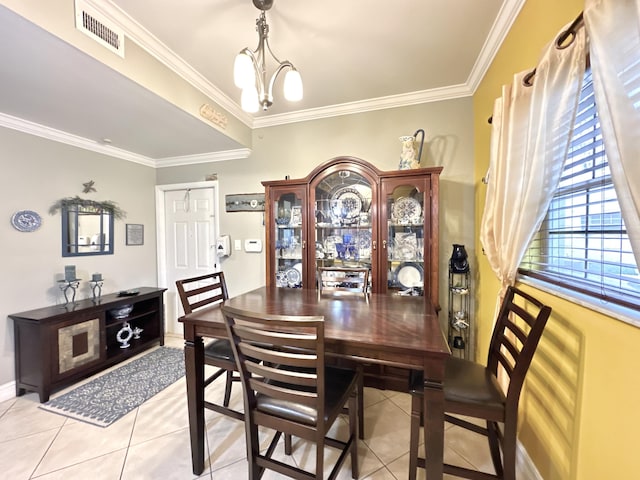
(433, 409)
(194, 371)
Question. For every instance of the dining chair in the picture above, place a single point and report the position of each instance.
(205, 291)
(347, 281)
(473, 390)
(288, 388)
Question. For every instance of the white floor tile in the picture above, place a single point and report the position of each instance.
(107, 467)
(6, 405)
(160, 417)
(153, 441)
(78, 442)
(226, 439)
(27, 420)
(20, 457)
(387, 430)
(167, 458)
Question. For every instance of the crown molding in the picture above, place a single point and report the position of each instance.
(152, 45)
(31, 128)
(504, 20)
(237, 154)
(506, 16)
(59, 136)
(381, 103)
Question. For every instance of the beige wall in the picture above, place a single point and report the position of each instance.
(36, 173)
(579, 412)
(295, 149)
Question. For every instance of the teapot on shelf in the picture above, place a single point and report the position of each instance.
(408, 158)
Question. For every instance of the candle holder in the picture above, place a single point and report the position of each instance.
(96, 289)
(65, 286)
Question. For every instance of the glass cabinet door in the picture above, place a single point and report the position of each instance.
(289, 241)
(403, 243)
(343, 234)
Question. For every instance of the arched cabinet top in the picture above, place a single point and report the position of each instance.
(348, 213)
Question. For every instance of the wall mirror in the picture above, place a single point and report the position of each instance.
(86, 230)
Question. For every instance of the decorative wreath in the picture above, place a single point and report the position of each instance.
(86, 203)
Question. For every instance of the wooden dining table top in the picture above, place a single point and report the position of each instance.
(390, 330)
(405, 326)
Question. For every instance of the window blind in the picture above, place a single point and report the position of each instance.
(583, 243)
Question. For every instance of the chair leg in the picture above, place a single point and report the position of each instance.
(253, 450)
(355, 414)
(509, 451)
(360, 402)
(320, 459)
(494, 447)
(416, 414)
(227, 388)
(287, 444)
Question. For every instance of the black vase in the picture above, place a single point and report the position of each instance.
(458, 262)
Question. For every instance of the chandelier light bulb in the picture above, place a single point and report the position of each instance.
(249, 99)
(293, 86)
(243, 71)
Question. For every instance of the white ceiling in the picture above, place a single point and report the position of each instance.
(353, 55)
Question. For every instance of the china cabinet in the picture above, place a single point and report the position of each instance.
(347, 213)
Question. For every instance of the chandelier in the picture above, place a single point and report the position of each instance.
(250, 70)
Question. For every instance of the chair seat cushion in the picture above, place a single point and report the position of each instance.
(337, 384)
(220, 349)
(468, 384)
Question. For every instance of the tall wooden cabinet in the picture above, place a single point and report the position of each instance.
(347, 212)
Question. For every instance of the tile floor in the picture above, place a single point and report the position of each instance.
(152, 442)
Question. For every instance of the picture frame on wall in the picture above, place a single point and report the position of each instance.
(135, 234)
(245, 202)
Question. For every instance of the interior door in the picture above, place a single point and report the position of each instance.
(190, 226)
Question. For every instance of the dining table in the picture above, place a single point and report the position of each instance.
(385, 329)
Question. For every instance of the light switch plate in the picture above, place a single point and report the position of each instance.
(237, 244)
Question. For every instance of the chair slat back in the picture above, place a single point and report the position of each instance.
(343, 280)
(516, 335)
(280, 356)
(203, 290)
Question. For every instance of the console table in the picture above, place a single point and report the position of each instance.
(58, 345)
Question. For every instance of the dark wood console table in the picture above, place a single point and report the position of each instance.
(58, 345)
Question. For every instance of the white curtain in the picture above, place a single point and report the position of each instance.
(530, 137)
(614, 35)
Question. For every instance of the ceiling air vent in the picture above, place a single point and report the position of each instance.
(91, 23)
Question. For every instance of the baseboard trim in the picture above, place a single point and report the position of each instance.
(7, 391)
(524, 465)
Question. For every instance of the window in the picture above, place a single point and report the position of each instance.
(583, 243)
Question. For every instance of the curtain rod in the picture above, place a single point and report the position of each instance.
(562, 38)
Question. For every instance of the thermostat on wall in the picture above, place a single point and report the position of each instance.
(253, 245)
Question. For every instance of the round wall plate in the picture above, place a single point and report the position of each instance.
(26, 221)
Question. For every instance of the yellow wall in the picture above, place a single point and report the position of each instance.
(579, 411)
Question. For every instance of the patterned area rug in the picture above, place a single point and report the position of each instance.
(105, 399)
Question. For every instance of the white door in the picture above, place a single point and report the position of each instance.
(190, 233)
